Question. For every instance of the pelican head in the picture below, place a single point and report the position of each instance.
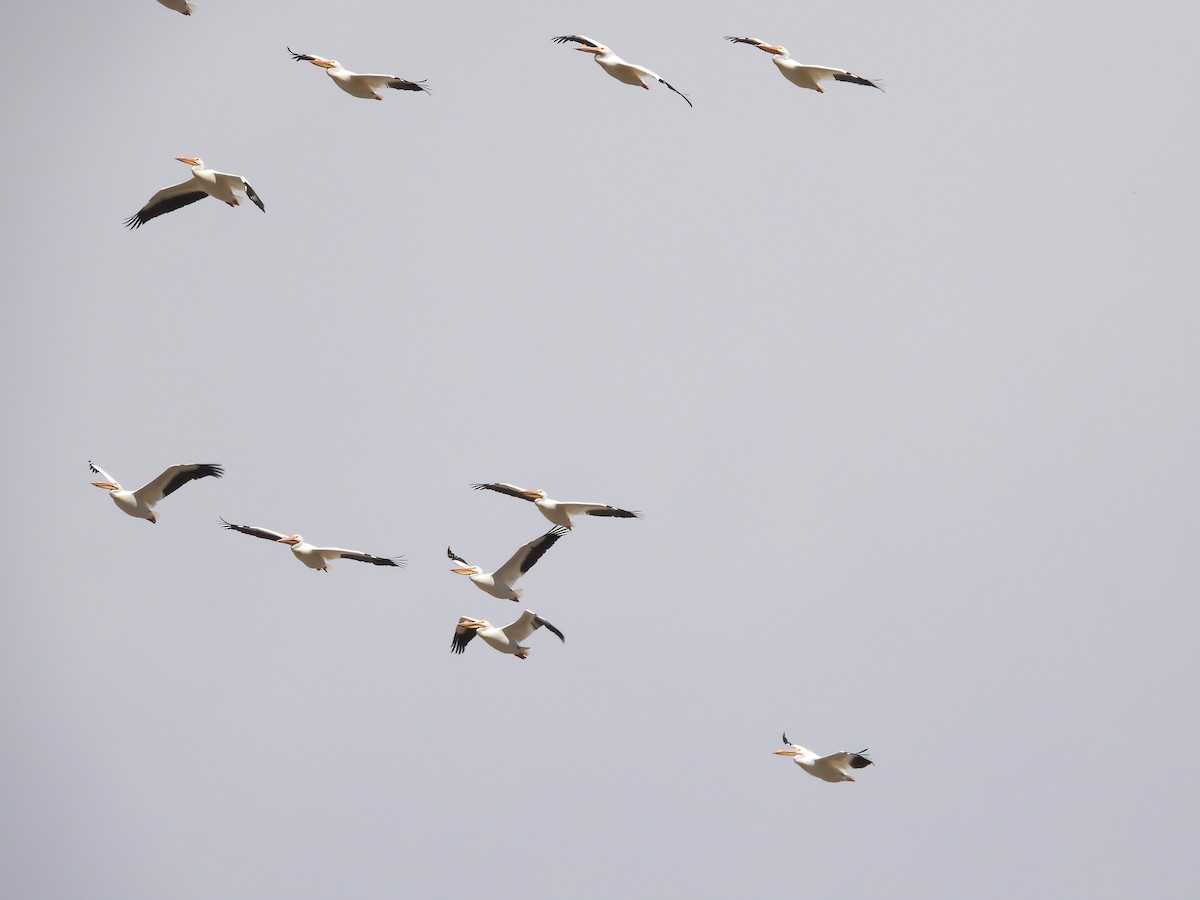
(474, 623)
(107, 485)
(326, 63)
(467, 570)
(193, 161)
(293, 540)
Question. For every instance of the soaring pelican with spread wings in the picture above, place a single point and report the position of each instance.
(500, 583)
(624, 72)
(557, 511)
(507, 639)
(203, 183)
(140, 503)
(356, 85)
(317, 558)
(834, 767)
(802, 75)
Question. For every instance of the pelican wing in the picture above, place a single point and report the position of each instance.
(660, 80)
(843, 760)
(789, 743)
(821, 72)
(167, 200)
(174, 478)
(397, 561)
(576, 39)
(104, 476)
(253, 196)
(395, 82)
(462, 636)
(501, 488)
(265, 533)
(746, 40)
(523, 560)
(598, 509)
(304, 57)
(458, 561)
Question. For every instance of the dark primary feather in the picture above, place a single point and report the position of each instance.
(679, 92)
(855, 79)
(170, 204)
(501, 488)
(462, 637)
(397, 561)
(263, 533)
(299, 57)
(574, 38)
(401, 84)
(785, 740)
(858, 761)
(615, 513)
(454, 556)
(253, 196)
(539, 546)
(539, 622)
(737, 40)
(203, 470)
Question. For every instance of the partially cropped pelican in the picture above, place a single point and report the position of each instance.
(500, 583)
(800, 74)
(140, 503)
(203, 183)
(180, 6)
(834, 767)
(624, 72)
(363, 86)
(507, 639)
(557, 511)
(317, 558)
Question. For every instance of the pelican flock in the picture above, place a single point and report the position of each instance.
(140, 503)
(834, 767)
(801, 74)
(363, 86)
(317, 558)
(507, 639)
(558, 512)
(203, 183)
(500, 583)
(624, 72)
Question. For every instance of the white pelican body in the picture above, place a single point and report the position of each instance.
(356, 85)
(799, 74)
(557, 511)
(203, 183)
(180, 6)
(317, 558)
(626, 73)
(507, 639)
(500, 583)
(140, 503)
(834, 767)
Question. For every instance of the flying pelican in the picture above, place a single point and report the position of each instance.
(627, 73)
(834, 767)
(500, 583)
(203, 183)
(558, 512)
(317, 558)
(180, 6)
(799, 74)
(352, 83)
(507, 639)
(140, 503)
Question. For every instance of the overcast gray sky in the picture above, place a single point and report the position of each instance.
(904, 383)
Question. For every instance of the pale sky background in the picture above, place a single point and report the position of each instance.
(904, 382)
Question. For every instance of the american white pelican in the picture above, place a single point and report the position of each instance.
(500, 583)
(203, 183)
(180, 6)
(317, 558)
(799, 74)
(834, 767)
(140, 503)
(356, 85)
(507, 639)
(626, 73)
(558, 512)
